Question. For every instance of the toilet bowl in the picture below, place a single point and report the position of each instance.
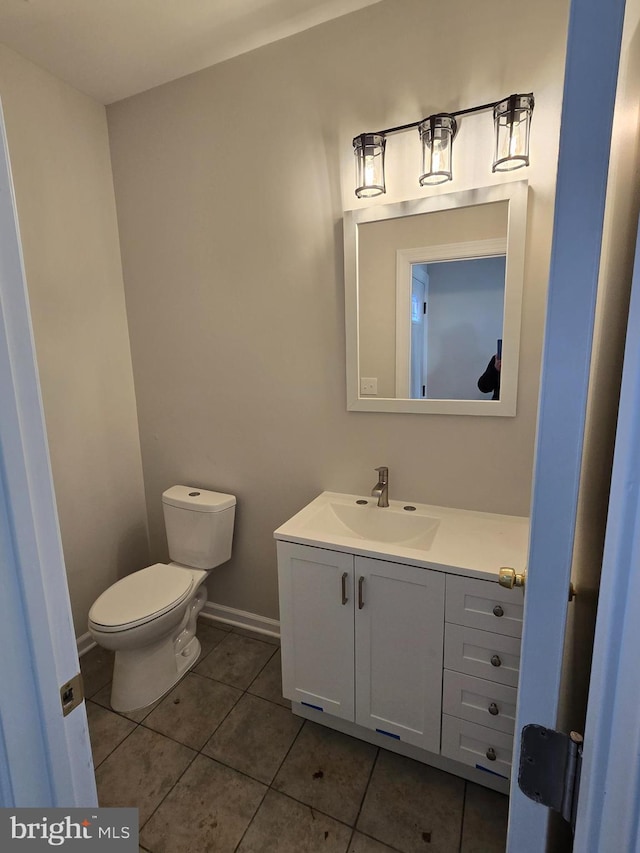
(149, 617)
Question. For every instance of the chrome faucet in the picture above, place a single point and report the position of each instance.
(381, 489)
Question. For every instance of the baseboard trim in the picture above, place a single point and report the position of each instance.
(85, 643)
(212, 612)
(240, 619)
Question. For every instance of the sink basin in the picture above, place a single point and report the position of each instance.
(358, 519)
(432, 537)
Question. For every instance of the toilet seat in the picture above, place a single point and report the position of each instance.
(141, 597)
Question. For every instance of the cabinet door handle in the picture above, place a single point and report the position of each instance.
(360, 597)
(345, 575)
(495, 661)
(491, 754)
(493, 709)
(498, 611)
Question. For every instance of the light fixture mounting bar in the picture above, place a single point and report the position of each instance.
(399, 128)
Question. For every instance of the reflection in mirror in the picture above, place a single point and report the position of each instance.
(432, 287)
(456, 311)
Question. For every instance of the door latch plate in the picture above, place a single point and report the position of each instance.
(71, 694)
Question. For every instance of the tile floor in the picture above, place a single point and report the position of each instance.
(221, 764)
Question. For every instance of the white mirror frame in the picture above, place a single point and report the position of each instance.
(516, 193)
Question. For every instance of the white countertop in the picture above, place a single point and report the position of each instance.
(475, 544)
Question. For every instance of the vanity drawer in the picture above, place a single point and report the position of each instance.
(485, 605)
(477, 745)
(482, 653)
(479, 701)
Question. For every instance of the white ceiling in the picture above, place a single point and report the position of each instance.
(111, 49)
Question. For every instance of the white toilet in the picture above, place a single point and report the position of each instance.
(149, 617)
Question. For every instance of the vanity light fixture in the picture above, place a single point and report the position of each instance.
(512, 122)
(369, 151)
(437, 134)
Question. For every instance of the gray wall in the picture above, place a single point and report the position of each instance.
(230, 186)
(59, 152)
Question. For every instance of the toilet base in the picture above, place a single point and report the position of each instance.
(141, 676)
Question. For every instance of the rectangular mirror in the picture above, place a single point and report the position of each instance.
(433, 291)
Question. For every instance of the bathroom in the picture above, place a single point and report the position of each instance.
(199, 336)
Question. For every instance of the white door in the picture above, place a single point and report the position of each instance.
(45, 757)
(593, 48)
(399, 643)
(316, 627)
(419, 326)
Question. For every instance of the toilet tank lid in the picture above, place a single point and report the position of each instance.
(200, 500)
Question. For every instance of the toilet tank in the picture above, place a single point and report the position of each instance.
(199, 526)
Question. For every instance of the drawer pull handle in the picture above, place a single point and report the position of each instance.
(495, 661)
(491, 754)
(493, 709)
(345, 575)
(498, 611)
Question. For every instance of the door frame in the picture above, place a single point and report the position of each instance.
(593, 50)
(46, 756)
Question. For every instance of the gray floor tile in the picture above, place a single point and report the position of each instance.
(236, 660)
(268, 683)
(106, 731)
(409, 805)
(256, 635)
(327, 770)
(141, 771)
(96, 667)
(284, 826)
(485, 821)
(193, 710)
(363, 844)
(208, 810)
(210, 636)
(255, 737)
(103, 697)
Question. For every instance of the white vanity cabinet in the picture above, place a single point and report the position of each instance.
(362, 640)
(481, 667)
(395, 630)
(316, 628)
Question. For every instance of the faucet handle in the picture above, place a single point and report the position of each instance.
(383, 471)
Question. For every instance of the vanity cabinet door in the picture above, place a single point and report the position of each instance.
(399, 647)
(316, 625)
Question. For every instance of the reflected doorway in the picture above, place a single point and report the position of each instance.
(457, 318)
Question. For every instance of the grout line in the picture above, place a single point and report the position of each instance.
(259, 806)
(166, 795)
(366, 787)
(377, 841)
(128, 734)
(464, 807)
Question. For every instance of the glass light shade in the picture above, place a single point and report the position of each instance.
(369, 153)
(436, 134)
(512, 122)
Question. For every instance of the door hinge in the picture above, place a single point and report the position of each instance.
(71, 694)
(549, 772)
